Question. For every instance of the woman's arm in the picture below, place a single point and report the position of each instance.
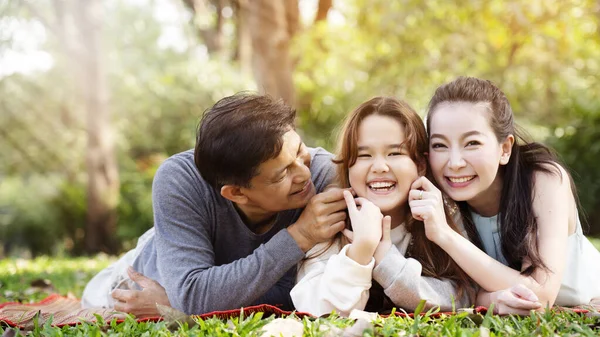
(552, 205)
(403, 283)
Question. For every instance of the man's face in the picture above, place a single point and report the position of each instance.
(283, 182)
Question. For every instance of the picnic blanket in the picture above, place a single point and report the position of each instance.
(68, 311)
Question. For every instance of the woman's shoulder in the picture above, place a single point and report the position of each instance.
(551, 176)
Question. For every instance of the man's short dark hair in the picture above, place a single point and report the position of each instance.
(239, 133)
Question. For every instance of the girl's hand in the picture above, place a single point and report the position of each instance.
(366, 226)
(386, 241)
(427, 205)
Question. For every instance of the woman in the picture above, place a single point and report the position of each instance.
(518, 204)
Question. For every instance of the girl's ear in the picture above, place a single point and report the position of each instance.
(506, 148)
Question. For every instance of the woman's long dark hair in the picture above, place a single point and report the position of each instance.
(517, 222)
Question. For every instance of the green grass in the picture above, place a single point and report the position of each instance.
(71, 275)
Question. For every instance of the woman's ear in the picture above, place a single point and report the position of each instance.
(506, 148)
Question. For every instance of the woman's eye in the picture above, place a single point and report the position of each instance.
(437, 145)
(473, 143)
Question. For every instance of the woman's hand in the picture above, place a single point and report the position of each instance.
(516, 300)
(366, 220)
(427, 205)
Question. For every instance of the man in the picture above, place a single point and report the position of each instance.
(229, 224)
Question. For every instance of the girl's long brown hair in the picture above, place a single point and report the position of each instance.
(434, 260)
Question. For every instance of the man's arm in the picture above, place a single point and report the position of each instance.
(185, 255)
(185, 252)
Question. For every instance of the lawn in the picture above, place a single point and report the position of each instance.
(69, 275)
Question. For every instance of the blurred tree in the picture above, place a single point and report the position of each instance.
(264, 32)
(77, 26)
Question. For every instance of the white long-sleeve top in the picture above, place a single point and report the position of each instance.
(333, 281)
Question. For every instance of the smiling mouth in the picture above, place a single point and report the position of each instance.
(381, 186)
(459, 180)
(304, 189)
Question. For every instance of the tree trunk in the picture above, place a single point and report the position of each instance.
(272, 24)
(101, 165)
(244, 40)
(323, 10)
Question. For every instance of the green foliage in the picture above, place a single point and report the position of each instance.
(539, 53)
(407, 49)
(578, 143)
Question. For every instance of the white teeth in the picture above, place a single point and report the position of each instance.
(382, 185)
(461, 179)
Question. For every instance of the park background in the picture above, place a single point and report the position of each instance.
(94, 95)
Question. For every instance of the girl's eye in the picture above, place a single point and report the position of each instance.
(473, 143)
(363, 155)
(395, 154)
(437, 145)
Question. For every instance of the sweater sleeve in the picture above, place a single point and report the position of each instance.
(403, 283)
(185, 255)
(332, 282)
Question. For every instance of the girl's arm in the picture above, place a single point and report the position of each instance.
(332, 281)
(552, 205)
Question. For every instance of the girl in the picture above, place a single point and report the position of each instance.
(518, 204)
(381, 154)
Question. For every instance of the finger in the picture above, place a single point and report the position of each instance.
(331, 195)
(518, 303)
(348, 234)
(335, 218)
(336, 228)
(121, 306)
(524, 292)
(333, 207)
(121, 295)
(416, 195)
(350, 202)
(417, 184)
(139, 278)
(362, 201)
(386, 228)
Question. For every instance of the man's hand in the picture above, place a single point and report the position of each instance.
(322, 218)
(141, 303)
(516, 300)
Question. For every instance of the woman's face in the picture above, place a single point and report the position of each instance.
(384, 171)
(464, 153)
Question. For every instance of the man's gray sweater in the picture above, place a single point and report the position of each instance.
(204, 255)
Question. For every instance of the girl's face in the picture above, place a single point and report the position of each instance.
(384, 171)
(464, 152)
